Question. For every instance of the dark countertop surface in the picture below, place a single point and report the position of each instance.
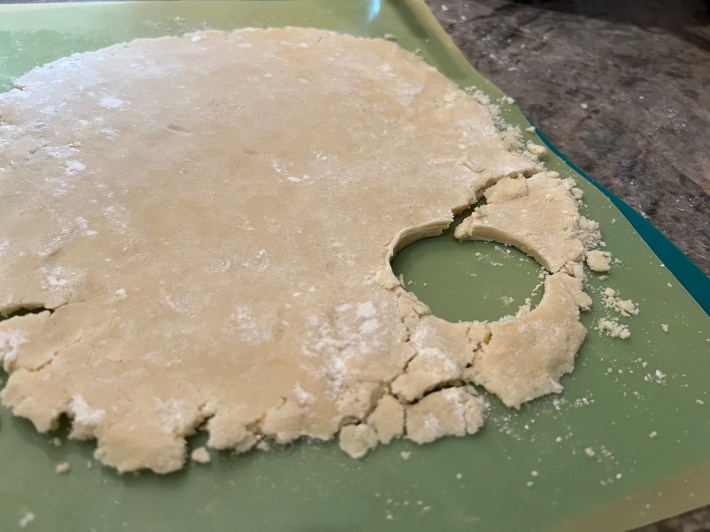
(621, 88)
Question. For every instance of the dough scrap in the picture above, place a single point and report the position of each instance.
(207, 222)
(527, 354)
(449, 412)
(356, 440)
(540, 218)
(599, 261)
(201, 455)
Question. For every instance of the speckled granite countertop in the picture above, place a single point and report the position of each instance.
(621, 88)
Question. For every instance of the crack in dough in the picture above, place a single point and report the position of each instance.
(211, 217)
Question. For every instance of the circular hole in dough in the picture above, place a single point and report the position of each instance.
(468, 280)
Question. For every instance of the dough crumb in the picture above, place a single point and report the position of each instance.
(263, 445)
(664, 326)
(62, 468)
(405, 455)
(625, 307)
(653, 434)
(599, 261)
(536, 149)
(201, 455)
(26, 520)
(589, 452)
(658, 377)
(613, 328)
(56, 442)
(356, 440)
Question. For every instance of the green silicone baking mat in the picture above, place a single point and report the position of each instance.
(628, 442)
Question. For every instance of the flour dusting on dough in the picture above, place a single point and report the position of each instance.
(226, 264)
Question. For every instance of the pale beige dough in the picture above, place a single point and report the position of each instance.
(209, 220)
(599, 261)
(387, 419)
(201, 455)
(449, 412)
(538, 215)
(527, 354)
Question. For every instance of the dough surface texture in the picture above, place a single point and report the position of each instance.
(207, 222)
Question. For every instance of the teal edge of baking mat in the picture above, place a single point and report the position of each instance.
(688, 274)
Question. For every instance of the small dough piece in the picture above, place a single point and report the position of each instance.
(448, 412)
(527, 354)
(26, 520)
(625, 307)
(200, 455)
(599, 261)
(613, 328)
(387, 419)
(537, 149)
(356, 440)
(544, 222)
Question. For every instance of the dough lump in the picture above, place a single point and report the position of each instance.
(203, 227)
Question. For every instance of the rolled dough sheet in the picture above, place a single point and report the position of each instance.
(207, 222)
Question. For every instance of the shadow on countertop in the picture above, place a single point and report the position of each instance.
(682, 17)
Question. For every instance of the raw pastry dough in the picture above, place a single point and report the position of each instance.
(537, 215)
(208, 221)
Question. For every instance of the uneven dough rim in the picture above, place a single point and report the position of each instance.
(400, 240)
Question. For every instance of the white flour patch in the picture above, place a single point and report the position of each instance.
(302, 396)
(61, 152)
(83, 414)
(109, 132)
(251, 331)
(72, 168)
(10, 342)
(111, 102)
(177, 415)
(121, 293)
(366, 310)
(259, 263)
